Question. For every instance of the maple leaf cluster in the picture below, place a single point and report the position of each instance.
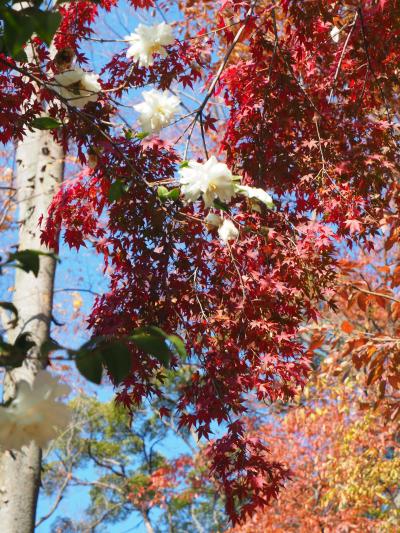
(308, 119)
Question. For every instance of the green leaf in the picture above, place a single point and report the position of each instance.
(99, 351)
(45, 123)
(46, 24)
(117, 190)
(162, 192)
(26, 260)
(174, 194)
(184, 164)
(20, 25)
(178, 344)
(155, 341)
(117, 358)
(141, 135)
(165, 194)
(221, 205)
(17, 352)
(8, 306)
(18, 28)
(50, 346)
(5, 348)
(90, 364)
(20, 56)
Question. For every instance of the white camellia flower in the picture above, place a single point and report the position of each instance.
(34, 415)
(20, 6)
(335, 34)
(77, 86)
(146, 41)
(211, 180)
(213, 220)
(228, 231)
(157, 110)
(256, 194)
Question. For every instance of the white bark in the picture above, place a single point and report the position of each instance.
(147, 523)
(40, 164)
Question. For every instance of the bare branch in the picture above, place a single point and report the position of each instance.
(56, 503)
(373, 293)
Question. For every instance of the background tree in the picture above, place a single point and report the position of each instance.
(139, 473)
(365, 335)
(345, 463)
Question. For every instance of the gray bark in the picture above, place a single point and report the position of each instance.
(40, 163)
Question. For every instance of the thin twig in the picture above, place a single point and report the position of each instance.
(373, 293)
(289, 67)
(342, 57)
(218, 75)
(57, 501)
(371, 68)
(89, 291)
(203, 135)
(197, 297)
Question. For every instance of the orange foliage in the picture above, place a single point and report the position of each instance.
(344, 461)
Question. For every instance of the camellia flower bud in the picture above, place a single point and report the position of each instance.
(254, 193)
(213, 221)
(228, 231)
(92, 158)
(335, 34)
(64, 58)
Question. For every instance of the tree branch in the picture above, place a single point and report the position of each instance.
(373, 293)
(342, 57)
(56, 503)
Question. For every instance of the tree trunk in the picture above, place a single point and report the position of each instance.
(147, 523)
(40, 163)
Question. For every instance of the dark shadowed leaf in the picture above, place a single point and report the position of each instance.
(90, 364)
(17, 30)
(220, 205)
(117, 190)
(28, 260)
(20, 25)
(8, 306)
(50, 346)
(24, 342)
(46, 24)
(153, 343)
(117, 359)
